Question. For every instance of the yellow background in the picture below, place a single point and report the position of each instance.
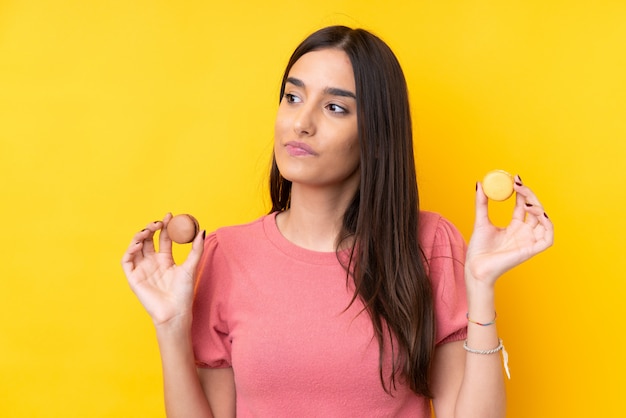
(113, 113)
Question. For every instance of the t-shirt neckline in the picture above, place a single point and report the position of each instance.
(292, 250)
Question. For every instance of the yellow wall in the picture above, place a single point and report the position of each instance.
(112, 113)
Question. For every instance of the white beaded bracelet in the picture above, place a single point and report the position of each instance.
(500, 347)
(492, 351)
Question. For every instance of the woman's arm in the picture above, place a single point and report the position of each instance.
(166, 292)
(467, 383)
(219, 388)
(188, 391)
(184, 395)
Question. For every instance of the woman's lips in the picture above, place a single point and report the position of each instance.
(297, 149)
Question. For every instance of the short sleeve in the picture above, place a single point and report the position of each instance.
(209, 329)
(446, 269)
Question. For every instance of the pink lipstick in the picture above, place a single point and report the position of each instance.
(299, 149)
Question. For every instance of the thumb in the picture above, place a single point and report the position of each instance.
(197, 248)
(481, 211)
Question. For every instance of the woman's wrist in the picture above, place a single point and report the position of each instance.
(480, 300)
(176, 326)
(477, 279)
(479, 289)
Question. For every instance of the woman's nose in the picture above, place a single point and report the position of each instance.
(304, 122)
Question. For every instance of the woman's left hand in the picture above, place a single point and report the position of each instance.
(493, 250)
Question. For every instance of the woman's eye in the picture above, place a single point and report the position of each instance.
(336, 108)
(291, 98)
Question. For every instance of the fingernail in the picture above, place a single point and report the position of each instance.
(156, 222)
(528, 205)
(138, 242)
(519, 178)
(145, 229)
(518, 183)
(476, 186)
(546, 215)
(203, 235)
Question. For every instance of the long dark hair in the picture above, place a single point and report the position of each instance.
(386, 262)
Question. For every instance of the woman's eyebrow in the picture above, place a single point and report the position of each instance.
(295, 81)
(332, 91)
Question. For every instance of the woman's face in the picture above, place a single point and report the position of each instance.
(316, 140)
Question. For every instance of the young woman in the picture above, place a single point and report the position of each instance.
(346, 300)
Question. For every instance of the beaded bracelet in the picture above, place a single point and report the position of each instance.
(500, 347)
(474, 351)
(480, 323)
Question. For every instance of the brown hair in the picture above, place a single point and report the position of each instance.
(386, 263)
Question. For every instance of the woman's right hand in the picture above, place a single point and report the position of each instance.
(163, 288)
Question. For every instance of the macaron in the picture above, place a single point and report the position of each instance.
(498, 185)
(182, 229)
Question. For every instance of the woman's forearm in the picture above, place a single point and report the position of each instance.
(183, 393)
(482, 392)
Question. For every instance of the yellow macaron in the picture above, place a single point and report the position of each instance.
(498, 185)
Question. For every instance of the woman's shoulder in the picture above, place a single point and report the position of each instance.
(436, 231)
(432, 222)
(243, 228)
(238, 235)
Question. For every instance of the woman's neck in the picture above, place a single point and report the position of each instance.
(315, 218)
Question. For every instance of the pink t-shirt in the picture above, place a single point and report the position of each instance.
(276, 313)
